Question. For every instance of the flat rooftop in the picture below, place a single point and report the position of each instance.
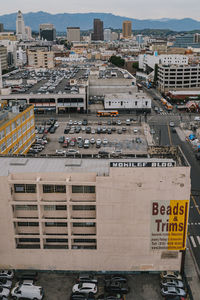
(100, 166)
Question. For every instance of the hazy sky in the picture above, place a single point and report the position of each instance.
(139, 9)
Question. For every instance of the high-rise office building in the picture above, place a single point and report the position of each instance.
(1, 27)
(4, 57)
(73, 34)
(28, 32)
(20, 27)
(97, 34)
(47, 32)
(127, 29)
(107, 35)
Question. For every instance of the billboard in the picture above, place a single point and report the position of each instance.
(169, 224)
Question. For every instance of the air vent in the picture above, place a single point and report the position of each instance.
(18, 161)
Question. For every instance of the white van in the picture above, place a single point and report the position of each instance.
(197, 118)
(29, 292)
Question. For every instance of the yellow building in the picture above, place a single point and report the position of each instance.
(17, 130)
(8, 36)
(41, 59)
(127, 29)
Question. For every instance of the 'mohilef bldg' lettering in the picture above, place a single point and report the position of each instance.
(137, 164)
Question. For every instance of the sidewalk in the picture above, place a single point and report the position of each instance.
(191, 274)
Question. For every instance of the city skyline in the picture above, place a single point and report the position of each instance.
(138, 9)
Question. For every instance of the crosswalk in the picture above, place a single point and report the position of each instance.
(168, 113)
(195, 241)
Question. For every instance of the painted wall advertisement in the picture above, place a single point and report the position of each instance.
(169, 224)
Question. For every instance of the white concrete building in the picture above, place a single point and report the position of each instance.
(134, 102)
(148, 61)
(20, 26)
(176, 77)
(107, 35)
(21, 57)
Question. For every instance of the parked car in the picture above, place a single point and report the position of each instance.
(92, 141)
(4, 292)
(119, 131)
(4, 282)
(85, 287)
(171, 275)
(197, 118)
(128, 122)
(172, 291)
(88, 130)
(26, 275)
(171, 124)
(105, 141)
(172, 282)
(67, 130)
(60, 152)
(117, 287)
(25, 282)
(78, 296)
(118, 278)
(197, 155)
(109, 131)
(87, 278)
(61, 139)
(85, 122)
(9, 274)
(86, 144)
(72, 151)
(29, 292)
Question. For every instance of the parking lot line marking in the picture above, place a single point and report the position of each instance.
(198, 239)
(195, 203)
(193, 241)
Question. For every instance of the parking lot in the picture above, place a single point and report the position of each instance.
(111, 138)
(58, 285)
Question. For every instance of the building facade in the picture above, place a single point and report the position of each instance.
(97, 34)
(3, 57)
(20, 26)
(17, 130)
(73, 34)
(127, 29)
(41, 59)
(107, 35)
(47, 32)
(89, 214)
(1, 27)
(178, 77)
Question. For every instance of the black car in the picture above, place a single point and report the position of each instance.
(88, 278)
(109, 131)
(197, 155)
(78, 296)
(117, 278)
(67, 130)
(117, 287)
(26, 275)
(113, 296)
(85, 122)
(88, 130)
(98, 130)
(52, 130)
(61, 139)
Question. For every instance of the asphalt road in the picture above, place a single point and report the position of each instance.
(166, 137)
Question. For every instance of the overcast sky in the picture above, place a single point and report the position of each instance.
(139, 9)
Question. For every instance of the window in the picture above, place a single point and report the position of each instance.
(83, 189)
(25, 188)
(57, 240)
(19, 132)
(7, 130)
(14, 137)
(48, 188)
(26, 207)
(13, 125)
(55, 207)
(29, 240)
(83, 207)
(3, 147)
(2, 134)
(87, 224)
(33, 224)
(55, 224)
(9, 142)
(84, 240)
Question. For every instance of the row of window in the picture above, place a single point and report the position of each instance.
(56, 224)
(55, 240)
(55, 207)
(49, 188)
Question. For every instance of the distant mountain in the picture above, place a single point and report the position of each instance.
(85, 21)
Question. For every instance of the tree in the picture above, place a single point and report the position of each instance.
(135, 65)
(117, 61)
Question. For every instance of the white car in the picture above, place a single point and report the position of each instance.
(4, 292)
(172, 282)
(197, 118)
(4, 282)
(85, 287)
(30, 292)
(72, 151)
(70, 122)
(105, 141)
(9, 274)
(60, 152)
(79, 123)
(171, 124)
(25, 282)
(98, 141)
(172, 291)
(135, 130)
(56, 124)
(92, 141)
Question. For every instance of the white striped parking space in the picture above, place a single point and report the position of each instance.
(193, 241)
(198, 239)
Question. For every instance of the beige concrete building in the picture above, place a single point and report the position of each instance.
(73, 34)
(3, 57)
(92, 214)
(41, 59)
(127, 29)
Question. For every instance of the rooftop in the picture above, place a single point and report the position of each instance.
(156, 157)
